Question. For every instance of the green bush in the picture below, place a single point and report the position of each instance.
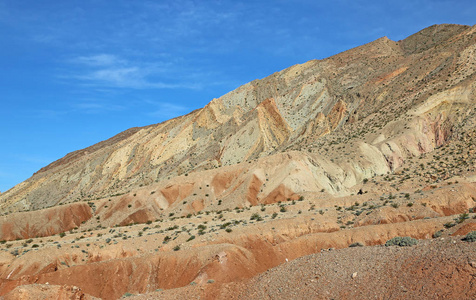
(449, 225)
(470, 237)
(461, 218)
(256, 217)
(401, 241)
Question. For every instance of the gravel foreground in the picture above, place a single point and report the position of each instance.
(442, 268)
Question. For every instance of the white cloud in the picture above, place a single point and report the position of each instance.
(94, 106)
(111, 71)
(98, 60)
(167, 110)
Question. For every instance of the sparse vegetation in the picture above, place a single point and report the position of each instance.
(256, 217)
(402, 241)
(462, 218)
(470, 237)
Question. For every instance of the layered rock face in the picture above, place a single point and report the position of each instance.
(384, 100)
(372, 143)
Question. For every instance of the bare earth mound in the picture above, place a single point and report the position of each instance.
(434, 269)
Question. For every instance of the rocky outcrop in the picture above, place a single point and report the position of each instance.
(44, 222)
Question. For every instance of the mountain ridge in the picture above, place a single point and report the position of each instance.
(353, 151)
(326, 95)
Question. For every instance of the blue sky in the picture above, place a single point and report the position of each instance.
(74, 73)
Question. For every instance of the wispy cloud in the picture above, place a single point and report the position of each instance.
(95, 106)
(99, 60)
(33, 159)
(108, 70)
(165, 110)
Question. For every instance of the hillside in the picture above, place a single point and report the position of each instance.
(369, 144)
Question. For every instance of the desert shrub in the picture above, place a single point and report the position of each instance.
(461, 218)
(177, 248)
(356, 245)
(225, 225)
(256, 217)
(437, 234)
(401, 241)
(449, 225)
(470, 237)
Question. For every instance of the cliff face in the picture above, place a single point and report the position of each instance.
(357, 114)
